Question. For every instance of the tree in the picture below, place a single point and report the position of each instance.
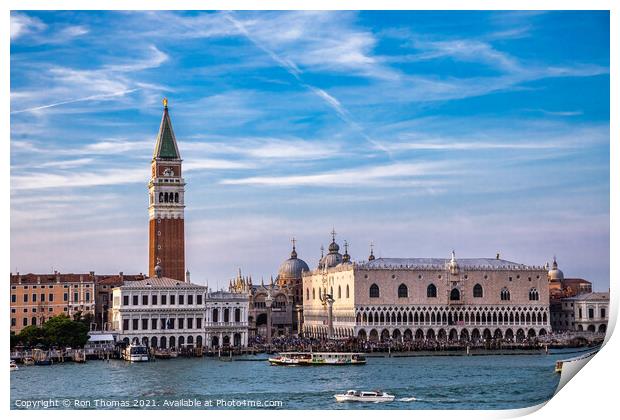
(32, 336)
(62, 331)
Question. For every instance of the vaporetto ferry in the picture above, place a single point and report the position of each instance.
(317, 359)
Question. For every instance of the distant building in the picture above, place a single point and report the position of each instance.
(226, 316)
(286, 293)
(559, 289)
(103, 297)
(586, 312)
(424, 298)
(37, 297)
(160, 312)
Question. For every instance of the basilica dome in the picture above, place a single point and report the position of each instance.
(555, 274)
(293, 267)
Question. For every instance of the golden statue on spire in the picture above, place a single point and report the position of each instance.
(165, 102)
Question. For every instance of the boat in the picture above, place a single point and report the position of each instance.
(135, 353)
(314, 359)
(28, 361)
(364, 396)
(41, 358)
(14, 365)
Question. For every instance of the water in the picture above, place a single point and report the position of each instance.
(432, 382)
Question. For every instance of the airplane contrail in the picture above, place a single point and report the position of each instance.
(71, 101)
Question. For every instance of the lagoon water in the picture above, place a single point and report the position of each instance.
(421, 382)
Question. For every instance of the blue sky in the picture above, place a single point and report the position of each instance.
(422, 132)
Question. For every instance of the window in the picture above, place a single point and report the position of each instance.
(25, 322)
(402, 291)
(134, 324)
(238, 315)
(145, 324)
(172, 299)
(125, 300)
(313, 294)
(590, 313)
(34, 297)
(580, 313)
(339, 292)
(13, 298)
(215, 315)
(42, 297)
(347, 293)
(145, 299)
(602, 312)
(198, 299)
(87, 297)
(533, 294)
(134, 300)
(153, 324)
(181, 300)
(190, 299)
(25, 298)
(50, 297)
(13, 322)
(307, 294)
(455, 294)
(164, 298)
(162, 323)
(374, 291)
(198, 323)
(181, 323)
(154, 300)
(76, 297)
(226, 315)
(125, 324)
(190, 323)
(504, 294)
(431, 291)
(478, 293)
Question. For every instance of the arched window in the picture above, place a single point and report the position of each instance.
(478, 291)
(402, 291)
(504, 294)
(331, 291)
(339, 292)
(176, 197)
(431, 291)
(307, 294)
(455, 294)
(313, 294)
(215, 314)
(161, 197)
(347, 294)
(533, 294)
(165, 197)
(374, 291)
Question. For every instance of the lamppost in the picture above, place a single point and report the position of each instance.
(268, 302)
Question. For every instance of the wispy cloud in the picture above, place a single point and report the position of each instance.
(22, 24)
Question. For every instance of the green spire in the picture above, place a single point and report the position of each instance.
(166, 144)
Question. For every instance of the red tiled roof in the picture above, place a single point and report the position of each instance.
(32, 278)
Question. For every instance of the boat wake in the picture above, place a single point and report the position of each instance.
(408, 399)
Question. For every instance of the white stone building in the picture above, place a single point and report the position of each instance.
(425, 298)
(166, 313)
(226, 319)
(160, 312)
(587, 312)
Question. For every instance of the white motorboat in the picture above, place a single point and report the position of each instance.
(14, 365)
(317, 359)
(135, 353)
(364, 396)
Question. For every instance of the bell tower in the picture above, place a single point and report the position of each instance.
(166, 205)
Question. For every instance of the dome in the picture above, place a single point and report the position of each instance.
(331, 260)
(293, 267)
(333, 247)
(555, 274)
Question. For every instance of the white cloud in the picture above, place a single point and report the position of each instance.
(22, 24)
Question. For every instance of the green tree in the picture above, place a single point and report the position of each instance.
(61, 331)
(32, 336)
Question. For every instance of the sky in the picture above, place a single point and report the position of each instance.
(421, 132)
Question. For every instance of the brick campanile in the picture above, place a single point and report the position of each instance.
(166, 205)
